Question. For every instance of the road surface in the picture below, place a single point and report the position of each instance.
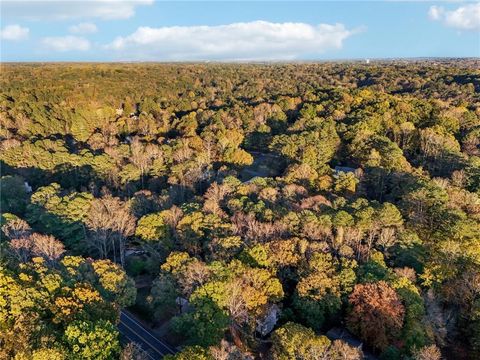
(134, 331)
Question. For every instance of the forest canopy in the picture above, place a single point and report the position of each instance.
(251, 210)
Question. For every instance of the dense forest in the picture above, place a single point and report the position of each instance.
(243, 211)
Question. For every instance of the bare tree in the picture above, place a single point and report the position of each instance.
(133, 351)
(214, 195)
(431, 352)
(228, 351)
(16, 229)
(340, 350)
(174, 216)
(252, 230)
(110, 222)
(236, 303)
(194, 276)
(21, 249)
(47, 247)
(142, 155)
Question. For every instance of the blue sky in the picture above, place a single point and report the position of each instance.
(148, 30)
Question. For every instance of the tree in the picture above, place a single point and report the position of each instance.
(114, 283)
(163, 296)
(109, 222)
(294, 342)
(143, 156)
(252, 287)
(379, 151)
(191, 353)
(154, 228)
(340, 350)
(345, 182)
(228, 351)
(92, 340)
(317, 295)
(233, 252)
(13, 194)
(314, 148)
(213, 197)
(377, 313)
(47, 247)
(414, 332)
(27, 247)
(13, 227)
(189, 273)
(431, 352)
(70, 306)
(239, 293)
(238, 157)
(61, 214)
(133, 351)
(42, 354)
(205, 326)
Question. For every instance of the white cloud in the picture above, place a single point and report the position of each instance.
(465, 17)
(83, 28)
(71, 9)
(66, 43)
(14, 33)
(257, 40)
(435, 12)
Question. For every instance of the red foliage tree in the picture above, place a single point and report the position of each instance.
(377, 313)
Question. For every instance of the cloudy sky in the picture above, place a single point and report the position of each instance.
(148, 30)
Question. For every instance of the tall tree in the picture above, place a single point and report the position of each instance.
(377, 313)
(109, 222)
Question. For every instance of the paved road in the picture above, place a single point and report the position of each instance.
(134, 331)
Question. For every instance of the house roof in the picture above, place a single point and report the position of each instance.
(344, 169)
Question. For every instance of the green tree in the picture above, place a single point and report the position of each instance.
(92, 340)
(345, 183)
(191, 353)
(205, 326)
(52, 212)
(153, 228)
(293, 341)
(318, 292)
(13, 195)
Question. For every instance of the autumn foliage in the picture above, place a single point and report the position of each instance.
(377, 313)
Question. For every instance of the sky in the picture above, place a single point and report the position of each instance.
(149, 30)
